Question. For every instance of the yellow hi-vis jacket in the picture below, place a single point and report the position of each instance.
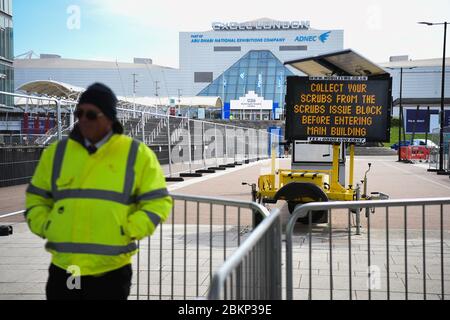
(91, 208)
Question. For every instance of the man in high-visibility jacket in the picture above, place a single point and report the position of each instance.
(91, 197)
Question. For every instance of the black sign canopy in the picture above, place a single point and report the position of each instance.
(340, 63)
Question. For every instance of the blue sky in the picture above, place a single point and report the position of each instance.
(118, 29)
(41, 26)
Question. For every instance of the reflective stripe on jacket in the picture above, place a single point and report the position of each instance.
(91, 208)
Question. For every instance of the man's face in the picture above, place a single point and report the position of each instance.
(94, 125)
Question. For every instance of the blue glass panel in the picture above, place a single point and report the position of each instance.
(271, 63)
(244, 63)
(243, 76)
(268, 96)
(252, 71)
(254, 54)
(253, 63)
(262, 72)
(263, 63)
(233, 71)
(251, 86)
(231, 89)
(269, 86)
(252, 80)
(281, 70)
(232, 80)
(243, 80)
(271, 71)
(270, 80)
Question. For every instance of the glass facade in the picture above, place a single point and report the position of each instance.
(6, 51)
(259, 71)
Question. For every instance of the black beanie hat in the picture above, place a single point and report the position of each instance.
(104, 98)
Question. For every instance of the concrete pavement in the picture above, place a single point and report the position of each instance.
(24, 263)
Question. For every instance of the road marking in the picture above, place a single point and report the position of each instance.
(419, 176)
(183, 184)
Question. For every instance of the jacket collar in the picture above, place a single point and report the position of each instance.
(78, 137)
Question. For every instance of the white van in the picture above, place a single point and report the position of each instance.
(426, 143)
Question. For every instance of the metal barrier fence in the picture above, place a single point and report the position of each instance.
(195, 146)
(178, 261)
(185, 147)
(20, 139)
(253, 272)
(434, 160)
(406, 259)
(17, 164)
(53, 106)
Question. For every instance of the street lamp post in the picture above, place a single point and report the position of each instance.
(400, 117)
(400, 113)
(442, 117)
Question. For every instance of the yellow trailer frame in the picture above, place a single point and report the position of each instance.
(327, 180)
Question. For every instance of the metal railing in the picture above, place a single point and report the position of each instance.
(20, 139)
(435, 155)
(179, 260)
(188, 146)
(394, 262)
(17, 164)
(60, 105)
(253, 272)
(434, 160)
(184, 147)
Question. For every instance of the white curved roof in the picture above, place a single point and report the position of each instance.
(58, 63)
(66, 91)
(51, 88)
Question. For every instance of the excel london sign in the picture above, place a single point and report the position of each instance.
(261, 25)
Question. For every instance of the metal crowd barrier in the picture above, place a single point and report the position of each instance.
(386, 264)
(17, 164)
(189, 147)
(185, 147)
(434, 159)
(179, 260)
(253, 272)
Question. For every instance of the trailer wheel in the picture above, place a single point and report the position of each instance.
(295, 192)
(320, 216)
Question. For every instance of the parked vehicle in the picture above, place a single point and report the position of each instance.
(426, 143)
(402, 144)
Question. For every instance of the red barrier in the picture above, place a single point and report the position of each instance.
(411, 153)
(25, 123)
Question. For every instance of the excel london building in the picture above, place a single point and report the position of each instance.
(243, 62)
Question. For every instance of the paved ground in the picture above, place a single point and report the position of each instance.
(23, 262)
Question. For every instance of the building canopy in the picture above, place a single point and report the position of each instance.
(52, 89)
(60, 90)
